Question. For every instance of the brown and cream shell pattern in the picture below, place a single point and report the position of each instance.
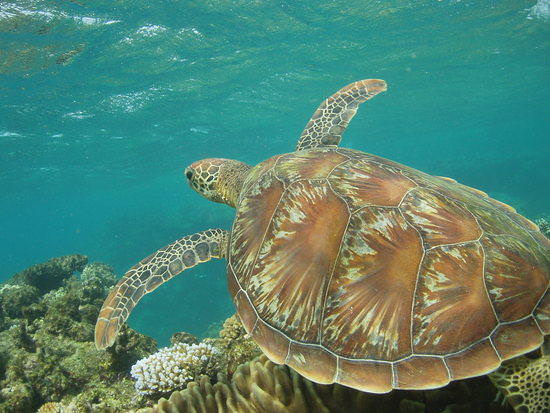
(354, 269)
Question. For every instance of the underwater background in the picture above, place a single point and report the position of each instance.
(104, 103)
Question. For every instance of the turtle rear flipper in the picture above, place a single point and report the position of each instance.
(525, 383)
(330, 120)
(150, 273)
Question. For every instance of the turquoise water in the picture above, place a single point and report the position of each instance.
(104, 104)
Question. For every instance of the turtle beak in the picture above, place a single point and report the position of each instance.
(188, 174)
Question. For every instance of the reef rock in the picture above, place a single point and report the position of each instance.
(47, 354)
(237, 346)
(51, 274)
(183, 337)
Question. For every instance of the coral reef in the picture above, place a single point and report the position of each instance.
(237, 346)
(47, 317)
(264, 387)
(50, 275)
(173, 367)
(52, 407)
(183, 337)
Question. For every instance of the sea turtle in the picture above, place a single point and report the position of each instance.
(354, 269)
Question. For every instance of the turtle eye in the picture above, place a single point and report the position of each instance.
(189, 174)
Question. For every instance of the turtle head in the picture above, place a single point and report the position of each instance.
(217, 179)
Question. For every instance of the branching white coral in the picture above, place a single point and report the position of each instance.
(172, 368)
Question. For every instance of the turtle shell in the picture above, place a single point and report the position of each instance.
(354, 269)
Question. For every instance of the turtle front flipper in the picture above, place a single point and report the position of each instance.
(330, 120)
(151, 272)
(525, 383)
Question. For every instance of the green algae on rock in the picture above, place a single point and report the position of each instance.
(47, 352)
(238, 347)
(51, 274)
(16, 299)
(183, 337)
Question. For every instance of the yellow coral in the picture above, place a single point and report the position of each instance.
(237, 346)
(51, 407)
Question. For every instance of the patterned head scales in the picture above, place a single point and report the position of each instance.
(203, 177)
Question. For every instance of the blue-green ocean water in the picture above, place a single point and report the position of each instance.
(104, 103)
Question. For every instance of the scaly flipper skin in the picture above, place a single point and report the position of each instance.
(330, 120)
(525, 383)
(151, 272)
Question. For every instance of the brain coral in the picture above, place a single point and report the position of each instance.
(173, 367)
